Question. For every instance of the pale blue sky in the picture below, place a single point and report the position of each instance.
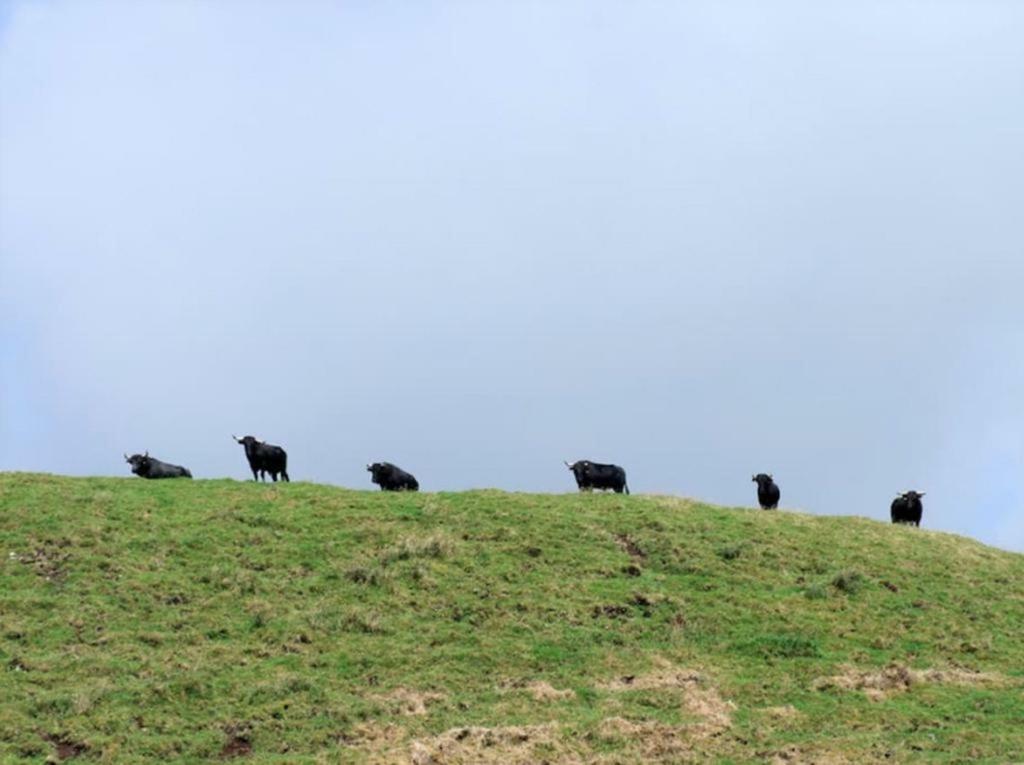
(698, 239)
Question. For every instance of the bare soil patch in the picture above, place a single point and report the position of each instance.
(66, 748)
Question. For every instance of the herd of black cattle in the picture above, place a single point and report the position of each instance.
(266, 458)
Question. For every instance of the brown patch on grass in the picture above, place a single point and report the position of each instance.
(629, 544)
(786, 712)
(794, 755)
(666, 676)
(66, 748)
(47, 559)
(404, 701)
(239, 742)
(649, 740)
(237, 746)
(698, 699)
(541, 690)
(429, 546)
(897, 678)
(610, 611)
(375, 737)
(512, 745)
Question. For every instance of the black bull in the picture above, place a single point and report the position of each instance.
(145, 466)
(907, 508)
(264, 458)
(593, 475)
(391, 477)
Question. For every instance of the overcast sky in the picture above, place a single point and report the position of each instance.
(697, 239)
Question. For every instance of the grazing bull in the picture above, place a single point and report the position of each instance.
(767, 491)
(593, 475)
(145, 466)
(264, 458)
(906, 508)
(392, 478)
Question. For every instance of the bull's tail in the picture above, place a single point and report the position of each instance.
(625, 487)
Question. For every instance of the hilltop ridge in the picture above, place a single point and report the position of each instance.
(196, 620)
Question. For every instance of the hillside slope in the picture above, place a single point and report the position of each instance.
(195, 620)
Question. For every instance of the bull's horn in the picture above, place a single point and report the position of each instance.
(921, 493)
(369, 466)
(753, 478)
(567, 465)
(260, 442)
(239, 440)
(146, 454)
(126, 457)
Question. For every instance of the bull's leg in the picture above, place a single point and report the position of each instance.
(273, 476)
(255, 474)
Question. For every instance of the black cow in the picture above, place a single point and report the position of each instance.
(264, 458)
(593, 475)
(767, 491)
(392, 478)
(145, 466)
(906, 508)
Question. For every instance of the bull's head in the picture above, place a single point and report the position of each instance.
(139, 462)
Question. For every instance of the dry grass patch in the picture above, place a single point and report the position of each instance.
(794, 755)
(541, 690)
(698, 698)
(896, 678)
(785, 712)
(404, 701)
(512, 745)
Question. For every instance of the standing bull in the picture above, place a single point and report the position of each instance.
(906, 508)
(145, 466)
(392, 478)
(767, 491)
(264, 458)
(593, 475)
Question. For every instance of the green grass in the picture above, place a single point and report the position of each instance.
(185, 621)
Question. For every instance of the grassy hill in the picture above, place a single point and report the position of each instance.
(197, 620)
